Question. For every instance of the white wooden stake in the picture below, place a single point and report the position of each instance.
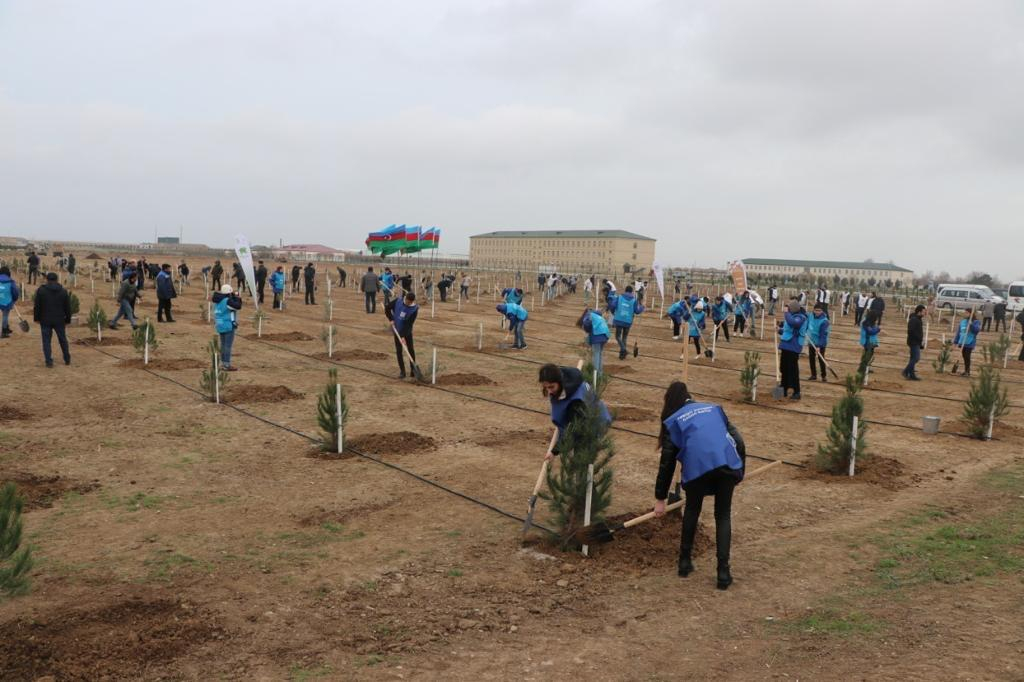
(337, 402)
(460, 301)
(991, 422)
(216, 378)
(753, 391)
(480, 336)
(587, 506)
(145, 351)
(327, 276)
(478, 290)
(431, 307)
(853, 446)
(926, 327)
(762, 323)
(330, 310)
(330, 341)
(433, 367)
(92, 284)
(99, 331)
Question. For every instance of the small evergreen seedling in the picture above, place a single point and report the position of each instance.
(145, 331)
(995, 351)
(97, 318)
(329, 336)
(834, 455)
(204, 312)
(943, 357)
(867, 356)
(585, 441)
(749, 374)
(259, 318)
(327, 412)
(206, 380)
(14, 565)
(75, 304)
(986, 403)
(328, 306)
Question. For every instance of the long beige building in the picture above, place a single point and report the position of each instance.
(579, 251)
(852, 272)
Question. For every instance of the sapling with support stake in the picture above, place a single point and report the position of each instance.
(749, 374)
(257, 322)
(212, 380)
(986, 402)
(843, 441)
(327, 336)
(943, 357)
(97, 319)
(332, 413)
(144, 338)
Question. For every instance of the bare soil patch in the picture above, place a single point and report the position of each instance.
(628, 413)
(39, 492)
(884, 472)
(619, 369)
(396, 443)
(651, 544)
(10, 413)
(107, 341)
(280, 336)
(322, 515)
(131, 639)
(257, 393)
(352, 354)
(163, 363)
(464, 379)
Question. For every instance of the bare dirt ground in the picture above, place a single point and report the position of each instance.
(178, 539)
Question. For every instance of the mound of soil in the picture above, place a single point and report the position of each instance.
(651, 544)
(131, 639)
(39, 492)
(397, 443)
(618, 369)
(256, 393)
(281, 336)
(884, 472)
(107, 341)
(352, 354)
(8, 413)
(628, 413)
(163, 363)
(464, 379)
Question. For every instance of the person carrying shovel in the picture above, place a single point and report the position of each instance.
(402, 313)
(9, 295)
(712, 458)
(818, 329)
(516, 316)
(569, 395)
(792, 334)
(695, 318)
(623, 309)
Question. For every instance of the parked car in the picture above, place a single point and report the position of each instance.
(1015, 297)
(964, 296)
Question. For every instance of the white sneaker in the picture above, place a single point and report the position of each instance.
(675, 338)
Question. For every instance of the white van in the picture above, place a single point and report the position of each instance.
(1015, 297)
(964, 296)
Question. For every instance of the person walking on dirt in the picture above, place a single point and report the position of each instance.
(342, 277)
(309, 275)
(720, 310)
(695, 322)
(869, 330)
(569, 395)
(402, 313)
(967, 338)
(442, 288)
(296, 271)
(226, 305)
(792, 334)
(126, 296)
(988, 311)
(712, 459)
(387, 284)
(239, 277)
(369, 286)
(183, 273)
(742, 310)
(260, 275)
(516, 315)
(999, 314)
(164, 293)
(915, 341)
(594, 324)
(464, 286)
(216, 274)
(623, 309)
(427, 282)
(33, 267)
(818, 331)
(277, 283)
(773, 299)
(52, 312)
(9, 295)
(72, 266)
(859, 305)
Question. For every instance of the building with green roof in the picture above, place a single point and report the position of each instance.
(852, 271)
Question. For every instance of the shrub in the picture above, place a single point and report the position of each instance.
(987, 402)
(97, 316)
(206, 380)
(749, 374)
(76, 305)
(995, 351)
(834, 455)
(943, 358)
(14, 565)
(327, 411)
(145, 331)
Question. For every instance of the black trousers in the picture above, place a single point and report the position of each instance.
(967, 359)
(47, 332)
(721, 485)
(260, 286)
(398, 350)
(371, 301)
(812, 356)
(789, 362)
(33, 275)
(986, 324)
(277, 301)
(740, 324)
(696, 342)
(295, 284)
(1001, 321)
(163, 309)
(858, 316)
(310, 289)
(724, 327)
(216, 285)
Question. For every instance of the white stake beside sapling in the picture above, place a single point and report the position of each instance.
(853, 446)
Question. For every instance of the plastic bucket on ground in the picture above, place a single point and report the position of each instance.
(931, 425)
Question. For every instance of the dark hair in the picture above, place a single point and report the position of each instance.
(165, 266)
(4, 270)
(369, 269)
(919, 308)
(676, 396)
(818, 306)
(629, 288)
(550, 373)
(871, 317)
(409, 296)
(579, 322)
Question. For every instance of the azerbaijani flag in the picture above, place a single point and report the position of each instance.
(430, 238)
(412, 239)
(388, 240)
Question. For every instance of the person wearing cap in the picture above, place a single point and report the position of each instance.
(915, 341)
(966, 338)
(695, 317)
(792, 334)
(52, 312)
(226, 305)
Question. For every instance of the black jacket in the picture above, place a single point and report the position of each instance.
(915, 332)
(261, 275)
(309, 272)
(52, 306)
(572, 378)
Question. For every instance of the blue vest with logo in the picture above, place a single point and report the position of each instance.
(560, 408)
(698, 430)
(223, 316)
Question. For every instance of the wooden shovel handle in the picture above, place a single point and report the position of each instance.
(676, 505)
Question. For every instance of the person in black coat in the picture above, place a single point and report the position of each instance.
(164, 293)
(296, 271)
(915, 342)
(261, 281)
(52, 312)
(309, 274)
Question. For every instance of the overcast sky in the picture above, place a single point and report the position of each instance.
(830, 129)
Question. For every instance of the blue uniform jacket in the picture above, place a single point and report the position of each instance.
(818, 329)
(970, 335)
(699, 431)
(596, 328)
(794, 332)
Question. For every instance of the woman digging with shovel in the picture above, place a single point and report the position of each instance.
(569, 395)
(712, 457)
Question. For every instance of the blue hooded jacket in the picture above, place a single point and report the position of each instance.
(513, 311)
(224, 308)
(165, 286)
(818, 330)
(574, 389)
(720, 311)
(744, 306)
(869, 334)
(596, 328)
(969, 334)
(794, 332)
(696, 320)
(699, 431)
(277, 282)
(675, 311)
(511, 296)
(9, 292)
(623, 307)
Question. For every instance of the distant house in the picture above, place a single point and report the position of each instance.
(308, 252)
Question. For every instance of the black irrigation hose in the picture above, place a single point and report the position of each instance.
(354, 451)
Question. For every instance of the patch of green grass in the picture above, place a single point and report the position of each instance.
(454, 573)
(183, 463)
(299, 673)
(165, 564)
(835, 623)
(132, 503)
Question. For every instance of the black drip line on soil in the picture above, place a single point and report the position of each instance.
(283, 427)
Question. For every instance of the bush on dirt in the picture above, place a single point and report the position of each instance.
(206, 380)
(145, 331)
(834, 455)
(987, 402)
(327, 411)
(97, 317)
(76, 305)
(995, 351)
(943, 357)
(749, 374)
(14, 565)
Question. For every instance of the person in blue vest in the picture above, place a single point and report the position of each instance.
(516, 316)
(720, 310)
(675, 313)
(387, 283)
(512, 296)
(967, 338)
(277, 282)
(623, 308)
(9, 295)
(818, 330)
(570, 396)
(593, 323)
(869, 330)
(695, 317)
(402, 312)
(792, 335)
(226, 305)
(712, 459)
(743, 309)
(165, 292)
